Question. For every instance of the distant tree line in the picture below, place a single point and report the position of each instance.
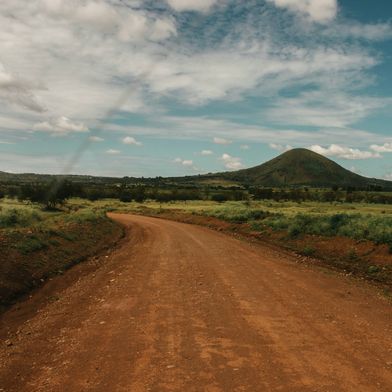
(335, 194)
(53, 194)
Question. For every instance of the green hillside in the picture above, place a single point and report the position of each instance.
(300, 167)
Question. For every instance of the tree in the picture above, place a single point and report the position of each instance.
(50, 195)
(219, 197)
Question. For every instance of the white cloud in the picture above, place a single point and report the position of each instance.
(280, 147)
(221, 140)
(184, 162)
(187, 162)
(244, 147)
(201, 128)
(16, 91)
(352, 29)
(75, 59)
(386, 147)
(206, 152)
(231, 163)
(327, 108)
(82, 60)
(192, 5)
(321, 11)
(61, 126)
(131, 140)
(354, 169)
(337, 151)
(139, 27)
(96, 139)
(94, 50)
(112, 151)
(388, 177)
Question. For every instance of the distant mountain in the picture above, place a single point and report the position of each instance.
(294, 168)
(300, 167)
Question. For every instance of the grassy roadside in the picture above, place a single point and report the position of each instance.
(36, 245)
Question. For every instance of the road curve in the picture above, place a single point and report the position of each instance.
(183, 308)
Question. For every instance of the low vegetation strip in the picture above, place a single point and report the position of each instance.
(359, 226)
(35, 245)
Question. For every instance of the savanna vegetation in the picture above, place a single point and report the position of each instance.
(48, 223)
(37, 244)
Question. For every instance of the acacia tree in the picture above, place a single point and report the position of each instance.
(49, 195)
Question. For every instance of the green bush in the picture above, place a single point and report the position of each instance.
(357, 226)
(308, 251)
(13, 217)
(86, 215)
(30, 245)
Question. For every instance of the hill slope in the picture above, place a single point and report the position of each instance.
(300, 167)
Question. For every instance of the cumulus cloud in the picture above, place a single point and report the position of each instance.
(96, 139)
(280, 147)
(125, 23)
(61, 125)
(192, 5)
(77, 58)
(16, 91)
(206, 152)
(231, 163)
(354, 169)
(131, 140)
(184, 162)
(86, 60)
(119, 47)
(112, 151)
(321, 11)
(343, 152)
(221, 140)
(386, 147)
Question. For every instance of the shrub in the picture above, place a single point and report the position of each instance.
(30, 245)
(336, 221)
(373, 269)
(219, 197)
(308, 251)
(294, 231)
(18, 217)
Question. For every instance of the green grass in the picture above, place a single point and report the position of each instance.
(376, 228)
(37, 244)
(30, 244)
(18, 217)
(358, 221)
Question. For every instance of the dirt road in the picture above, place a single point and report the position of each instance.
(183, 308)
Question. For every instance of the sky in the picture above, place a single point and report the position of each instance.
(180, 87)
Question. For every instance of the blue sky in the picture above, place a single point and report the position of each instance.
(176, 87)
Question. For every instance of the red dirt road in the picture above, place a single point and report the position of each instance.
(182, 308)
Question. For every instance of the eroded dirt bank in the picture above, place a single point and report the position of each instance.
(183, 308)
